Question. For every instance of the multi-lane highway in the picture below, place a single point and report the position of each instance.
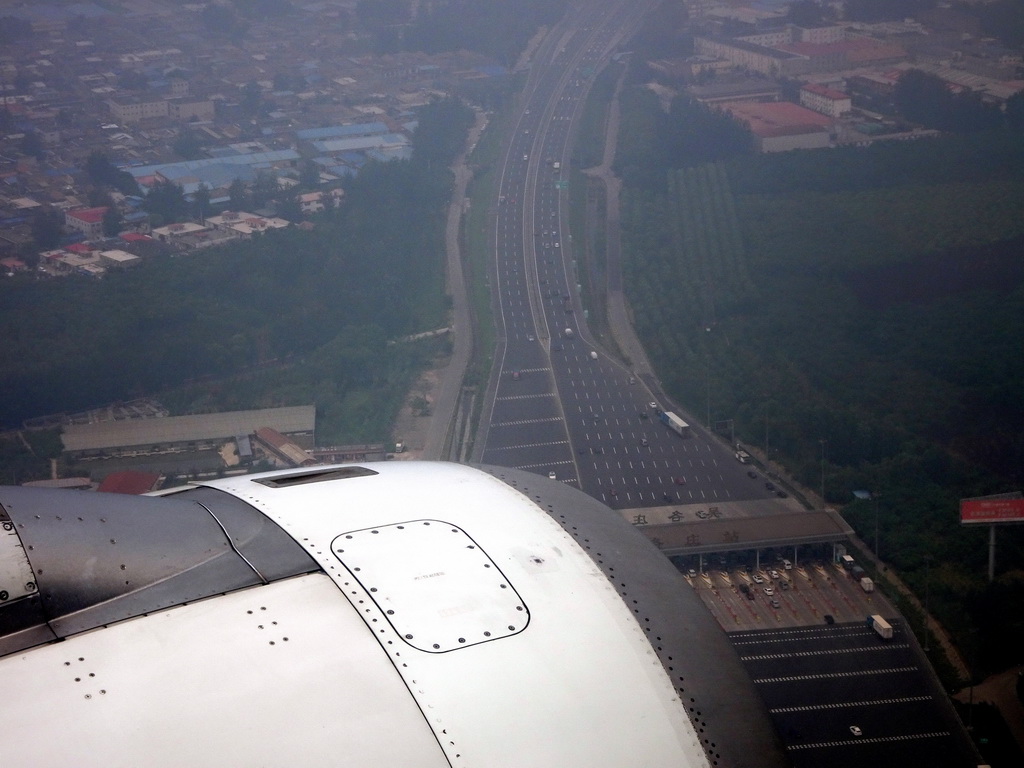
(558, 403)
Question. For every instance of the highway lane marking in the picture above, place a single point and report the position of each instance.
(527, 445)
(544, 464)
(834, 675)
(879, 740)
(847, 704)
(525, 397)
(829, 631)
(525, 421)
(827, 652)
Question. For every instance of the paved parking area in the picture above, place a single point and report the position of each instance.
(842, 696)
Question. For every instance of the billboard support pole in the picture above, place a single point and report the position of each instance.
(991, 553)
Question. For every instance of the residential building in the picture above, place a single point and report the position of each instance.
(827, 101)
(126, 110)
(88, 221)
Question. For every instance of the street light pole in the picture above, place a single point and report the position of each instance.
(822, 441)
(927, 590)
(707, 382)
(876, 525)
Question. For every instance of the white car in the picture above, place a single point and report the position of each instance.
(773, 573)
(552, 475)
(757, 578)
(769, 591)
(856, 731)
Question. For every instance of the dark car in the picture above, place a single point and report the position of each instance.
(782, 494)
(752, 475)
(829, 618)
(769, 485)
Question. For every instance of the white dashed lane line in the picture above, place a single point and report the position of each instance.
(827, 652)
(834, 675)
(846, 704)
(879, 740)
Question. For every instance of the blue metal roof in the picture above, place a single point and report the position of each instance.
(340, 131)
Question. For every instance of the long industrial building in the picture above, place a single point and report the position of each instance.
(134, 437)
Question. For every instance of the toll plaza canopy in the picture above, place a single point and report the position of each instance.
(730, 534)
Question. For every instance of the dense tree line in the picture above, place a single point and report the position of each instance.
(327, 297)
(1002, 19)
(499, 29)
(869, 297)
(688, 133)
(926, 99)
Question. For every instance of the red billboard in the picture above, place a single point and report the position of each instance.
(992, 510)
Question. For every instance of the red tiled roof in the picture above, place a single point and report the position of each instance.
(821, 90)
(130, 481)
(89, 215)
(780, 118)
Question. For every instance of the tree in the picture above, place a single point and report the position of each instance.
(32, 145)
(133, 81)
(47, 228)
(102, 173)
(309, 173)
(805, 13)
(265, 189)
(1015, 111)
(288, 206)
(201, 203)
(187, 145)
(238, 195)
(113, 221)
(13, 29)
(221, 20)
(252, 99)
(925, 98)
(166, 200)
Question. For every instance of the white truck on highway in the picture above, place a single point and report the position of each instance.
(674, 423)
(882, 627)
(867, 584)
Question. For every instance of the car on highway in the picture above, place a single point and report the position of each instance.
(644, 441)
(752, 474)
(768, 591)
(515, 375)
(776, 603)
(612, 492)
(552, 475)
(530, 337)
(830, 619)
(782, 494)
(784, 584)
(773, 573)
(758, 579)
(680, 480)
(769, 485)
(856, 731)
(652, 406)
